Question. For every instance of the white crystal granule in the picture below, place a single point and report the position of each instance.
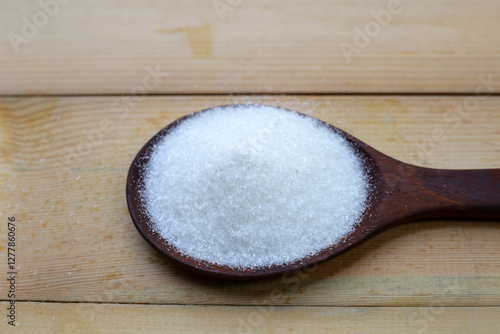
(253, 186)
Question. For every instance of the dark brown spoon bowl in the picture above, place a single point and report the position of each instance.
(401, 193)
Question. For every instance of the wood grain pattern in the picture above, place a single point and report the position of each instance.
(105, 47)
(77, 241)
(63, 160)
(111, 318)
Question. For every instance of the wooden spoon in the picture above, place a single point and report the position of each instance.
(402, 193)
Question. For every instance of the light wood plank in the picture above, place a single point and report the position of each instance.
(114, 318)
(104, 47)
(76, 241)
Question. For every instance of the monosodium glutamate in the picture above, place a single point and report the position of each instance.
(253, 186)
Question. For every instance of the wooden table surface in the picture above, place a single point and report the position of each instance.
(85, 84)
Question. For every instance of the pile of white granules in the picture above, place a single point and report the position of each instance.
(253, 186)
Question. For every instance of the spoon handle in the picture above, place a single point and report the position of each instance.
(441, 193)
